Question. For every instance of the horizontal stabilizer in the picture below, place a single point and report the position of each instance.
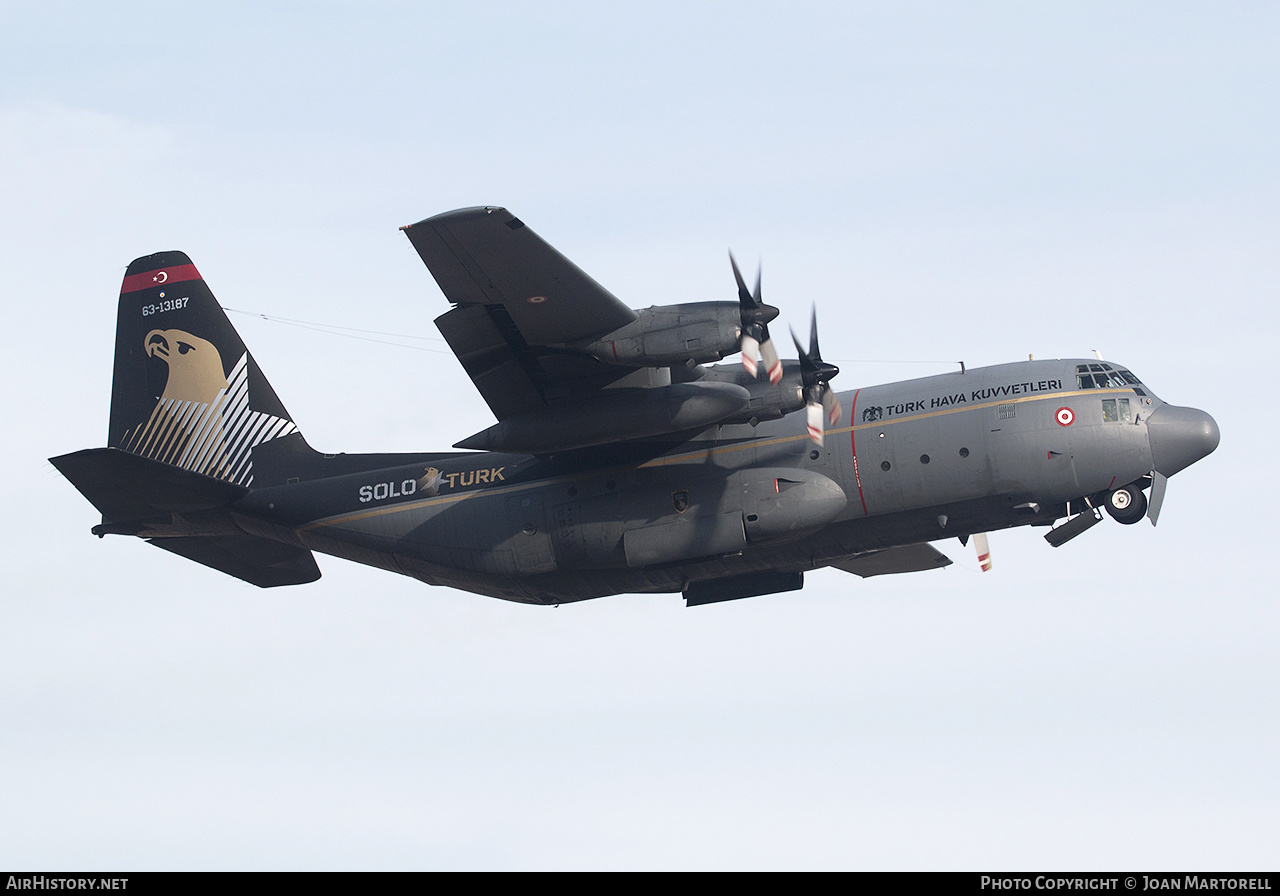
(258, 561)
(132, 490)
(124, 486)
(908, 558)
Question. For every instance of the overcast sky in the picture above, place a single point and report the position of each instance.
(976, 181)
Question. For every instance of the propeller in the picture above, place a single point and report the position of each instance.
(984, 550)
(816, 375)
(755, 328)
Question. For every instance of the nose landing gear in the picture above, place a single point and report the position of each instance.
(1127, 505)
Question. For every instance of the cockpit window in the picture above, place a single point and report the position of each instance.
(1104, 376)
(1115, 410)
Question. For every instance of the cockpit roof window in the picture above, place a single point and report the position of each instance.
(1104, 376)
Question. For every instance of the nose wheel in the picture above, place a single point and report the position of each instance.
(1127, 505)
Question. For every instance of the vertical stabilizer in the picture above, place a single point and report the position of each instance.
(186, 392)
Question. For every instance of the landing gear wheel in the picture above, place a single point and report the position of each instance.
(1127, 505)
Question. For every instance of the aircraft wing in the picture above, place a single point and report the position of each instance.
(517, 302)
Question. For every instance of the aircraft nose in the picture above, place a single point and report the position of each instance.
(1179, 437)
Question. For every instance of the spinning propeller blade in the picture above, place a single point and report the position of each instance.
(769, 357)
(816, 376)
(984, 551)
(831, 404)
(755, 328)
(750, 351)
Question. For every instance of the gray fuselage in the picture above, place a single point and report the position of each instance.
(909, 462)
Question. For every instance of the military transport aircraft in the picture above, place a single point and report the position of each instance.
(623, 459)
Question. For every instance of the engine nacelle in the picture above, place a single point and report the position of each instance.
(614, 415)
(766, 401)
(666, 335)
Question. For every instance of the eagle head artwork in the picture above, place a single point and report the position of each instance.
(429, 481)
(187, 415)
(195, 367)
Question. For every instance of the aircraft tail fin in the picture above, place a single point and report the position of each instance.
(189, 409)
(185, 390)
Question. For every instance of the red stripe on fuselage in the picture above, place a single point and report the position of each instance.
(853, 448)
(159, 277)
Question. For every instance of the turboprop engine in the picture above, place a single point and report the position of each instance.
(665, 335)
